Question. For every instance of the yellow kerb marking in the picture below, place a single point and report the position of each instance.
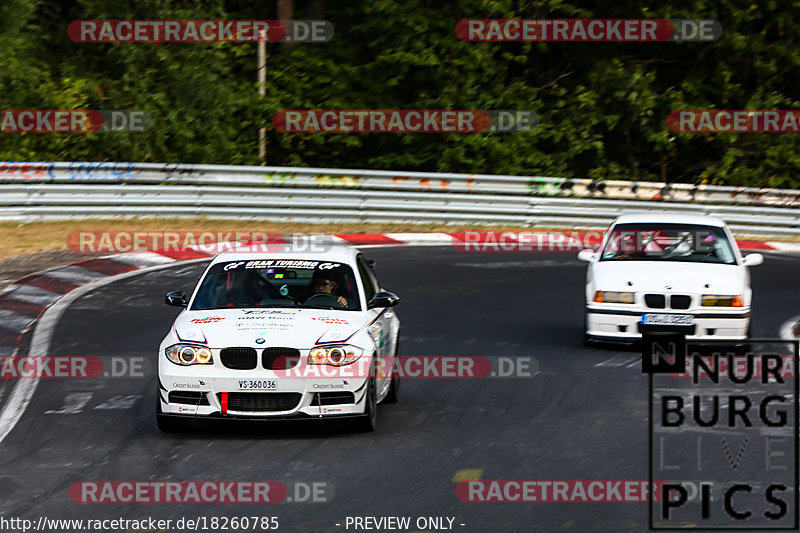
(468, 474)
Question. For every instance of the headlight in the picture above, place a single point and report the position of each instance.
(188, 354)
(713, 300)
(340, 355)
(613, 297)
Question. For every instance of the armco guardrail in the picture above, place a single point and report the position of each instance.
(32, 191)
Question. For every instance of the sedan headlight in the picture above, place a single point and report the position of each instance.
(339, 355)
(613, 297)
(714, 300)
(188, 354)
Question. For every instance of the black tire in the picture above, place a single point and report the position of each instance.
(367, 422)
(588, 340)
(745, 346)
(393, 396)
(170, 424)
(394, 389)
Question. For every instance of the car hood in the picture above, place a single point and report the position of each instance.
(669, 277)
(292, 328)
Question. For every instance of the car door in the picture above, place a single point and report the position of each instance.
(381, 327)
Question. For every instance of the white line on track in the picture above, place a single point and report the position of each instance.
(618, 360)
(786, 329)
(422, 239)
(142, 259)
(21, 396)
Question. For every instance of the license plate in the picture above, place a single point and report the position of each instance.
(257, 384)
(667, 320)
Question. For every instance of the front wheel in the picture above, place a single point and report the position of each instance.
(170, 424)
(745, 347)
(367, 422)
(588, 340)
(393, 395)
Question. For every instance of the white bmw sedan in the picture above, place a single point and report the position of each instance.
(665, 272)
(280, 335)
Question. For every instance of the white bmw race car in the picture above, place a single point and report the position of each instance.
(280, 335)
(664, 272)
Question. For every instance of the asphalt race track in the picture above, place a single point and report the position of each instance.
(583, 416)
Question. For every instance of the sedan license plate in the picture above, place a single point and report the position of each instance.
(667, 320)
(257, 384)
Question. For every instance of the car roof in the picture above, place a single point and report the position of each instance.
(318, 252)
(668, 218)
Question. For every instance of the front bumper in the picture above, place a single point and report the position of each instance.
(208, 391)
(615, 324)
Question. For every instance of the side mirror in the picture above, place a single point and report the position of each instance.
(587, 255)
(383, 299)
(176, 298)
(753, 260)
(371, 263)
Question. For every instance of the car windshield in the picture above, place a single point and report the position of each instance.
(278, 283)
(694, 243)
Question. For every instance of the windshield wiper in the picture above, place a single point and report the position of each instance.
(672, 248)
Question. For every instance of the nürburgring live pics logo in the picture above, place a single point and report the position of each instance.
(723, 443)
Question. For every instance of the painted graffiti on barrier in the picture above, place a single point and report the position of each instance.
(472, 183)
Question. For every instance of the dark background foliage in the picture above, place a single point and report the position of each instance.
(602, 106)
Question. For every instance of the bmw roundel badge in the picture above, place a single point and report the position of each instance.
(259, 340)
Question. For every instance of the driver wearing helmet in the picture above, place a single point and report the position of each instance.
(324, 282)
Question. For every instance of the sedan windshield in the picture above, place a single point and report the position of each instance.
(278, 283)
(693, 243)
